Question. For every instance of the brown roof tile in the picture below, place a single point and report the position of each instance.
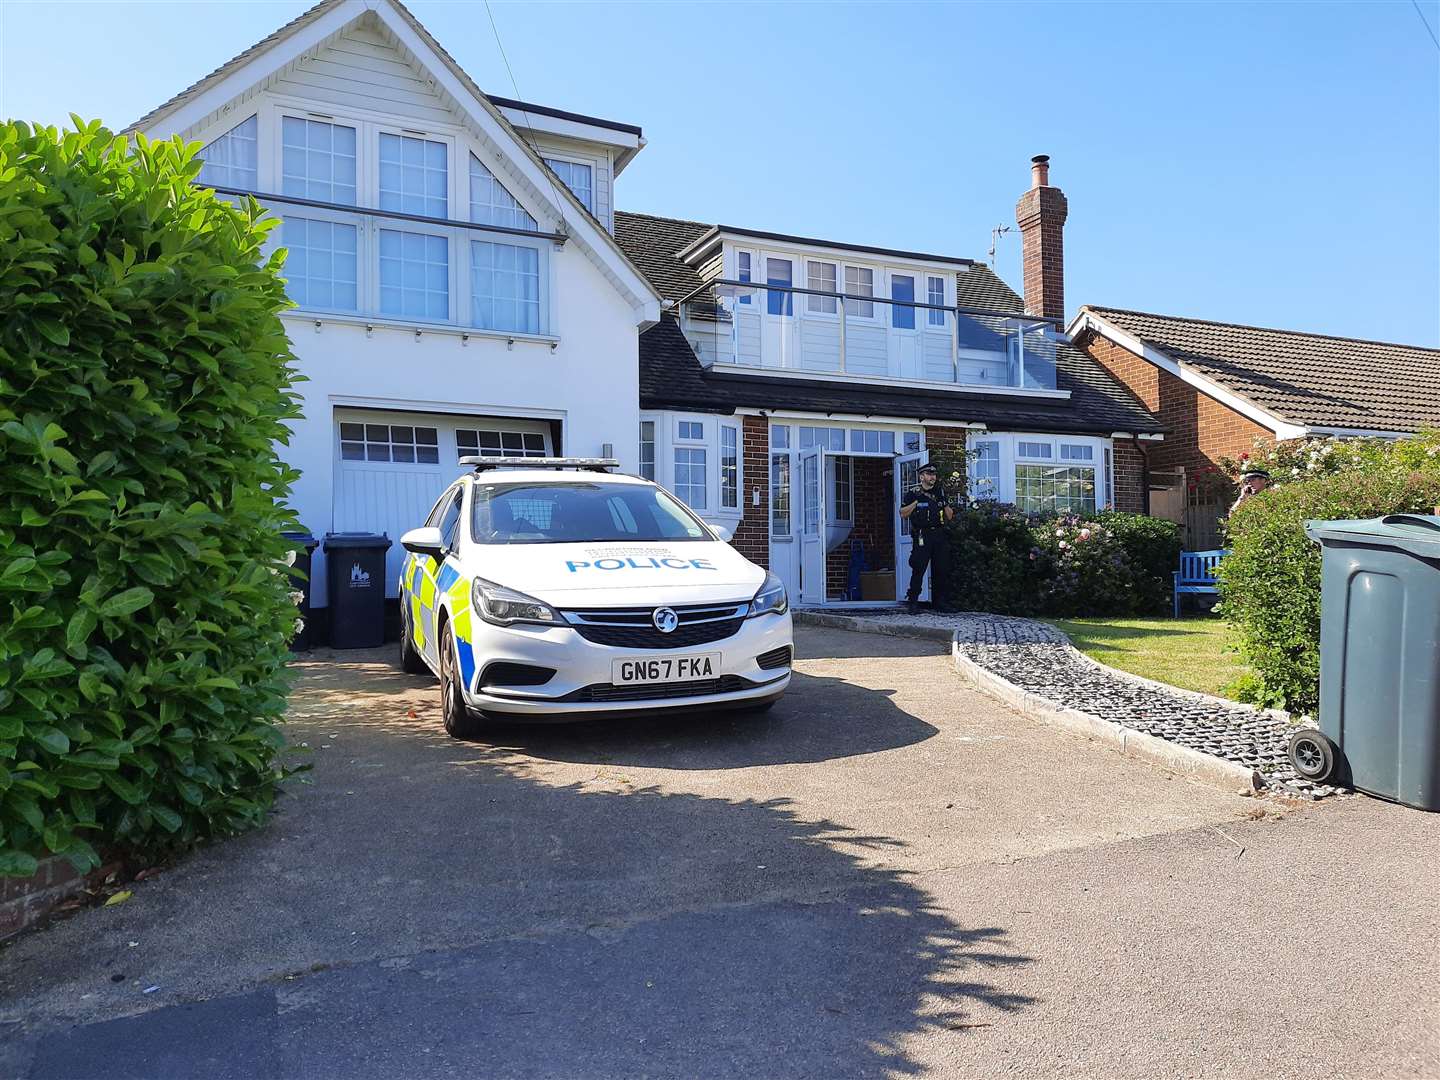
(1308, 379)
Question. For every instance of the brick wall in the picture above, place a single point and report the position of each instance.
(752, 537)
(874, 523)
(1129, 477)
(26, 901)
(1202, 430)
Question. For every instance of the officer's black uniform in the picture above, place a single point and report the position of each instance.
(932, 543)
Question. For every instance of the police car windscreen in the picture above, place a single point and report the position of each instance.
(567, 513)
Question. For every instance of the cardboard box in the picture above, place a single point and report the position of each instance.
(877, 585)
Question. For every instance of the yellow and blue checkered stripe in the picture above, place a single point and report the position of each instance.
(425, 588)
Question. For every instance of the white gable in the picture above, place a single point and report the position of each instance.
(361, 68)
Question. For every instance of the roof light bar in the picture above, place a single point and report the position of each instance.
(584, 464)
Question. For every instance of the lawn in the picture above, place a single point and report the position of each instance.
(1189, 653)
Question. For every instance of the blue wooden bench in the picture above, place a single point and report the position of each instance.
(1197, 574)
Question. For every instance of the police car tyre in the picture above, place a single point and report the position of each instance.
(459, 722)
(411, 661)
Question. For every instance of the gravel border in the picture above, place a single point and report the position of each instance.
(1036, 669)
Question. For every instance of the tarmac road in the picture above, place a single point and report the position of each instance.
(887, 875)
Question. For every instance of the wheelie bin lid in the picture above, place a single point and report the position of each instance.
(301, 536)
(350, 540)
(1419, 534)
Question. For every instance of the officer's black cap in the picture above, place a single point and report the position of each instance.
(925, 469)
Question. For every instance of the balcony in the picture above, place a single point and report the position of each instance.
(786, 328)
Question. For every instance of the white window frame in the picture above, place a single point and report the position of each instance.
(650, 424)
(931, 313)
(277, 138)
(1009, 443)
(746, 273)
(593, 164)
(229, 130)
(270, 138)
(720, 504)
(823, 307)
(449, 142)
(668, 440)
(877, 280)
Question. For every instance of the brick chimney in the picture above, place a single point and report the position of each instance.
(1041, 213)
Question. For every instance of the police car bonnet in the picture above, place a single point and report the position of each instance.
(569, 574)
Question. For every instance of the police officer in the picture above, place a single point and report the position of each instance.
(928, 509)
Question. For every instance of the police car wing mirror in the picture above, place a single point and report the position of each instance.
(723, 533)
(424, 541)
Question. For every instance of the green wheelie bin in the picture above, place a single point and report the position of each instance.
(1379, 659)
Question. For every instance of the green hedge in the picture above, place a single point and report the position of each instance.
(144, 379)
(1270, 583)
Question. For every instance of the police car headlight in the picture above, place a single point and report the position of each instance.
(771, 599)
(501, 606)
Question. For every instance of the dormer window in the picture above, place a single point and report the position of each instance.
(578, 177)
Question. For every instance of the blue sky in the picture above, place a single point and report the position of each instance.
(1273, 163)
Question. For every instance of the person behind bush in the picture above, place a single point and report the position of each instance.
(1252, 482)
(928, 509)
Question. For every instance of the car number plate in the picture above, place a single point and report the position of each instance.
(664, 669)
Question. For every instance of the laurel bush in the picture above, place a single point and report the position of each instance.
(144, 384)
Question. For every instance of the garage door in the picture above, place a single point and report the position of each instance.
(391, 467)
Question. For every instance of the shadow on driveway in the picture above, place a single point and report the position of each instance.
(425, 907)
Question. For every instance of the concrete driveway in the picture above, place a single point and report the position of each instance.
(888, 875)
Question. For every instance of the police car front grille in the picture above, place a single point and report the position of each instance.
(634, 627)
(647, 637)
(725, 684)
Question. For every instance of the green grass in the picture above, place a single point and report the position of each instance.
(1189, 653)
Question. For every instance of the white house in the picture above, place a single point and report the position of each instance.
(464, 284)
(452, 294)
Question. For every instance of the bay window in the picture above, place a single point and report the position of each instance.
(1042, 473)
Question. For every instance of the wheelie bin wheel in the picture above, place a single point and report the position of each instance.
(1313, 755)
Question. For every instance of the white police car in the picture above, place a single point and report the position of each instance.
(552, 588)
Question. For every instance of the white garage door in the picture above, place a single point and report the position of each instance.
(391, 467)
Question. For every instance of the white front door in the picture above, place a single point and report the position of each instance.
(812, 526)
(907, 476)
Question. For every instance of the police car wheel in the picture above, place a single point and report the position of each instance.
(411, 661)
(459, 722)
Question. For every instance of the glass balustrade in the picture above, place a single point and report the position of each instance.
(801, 330)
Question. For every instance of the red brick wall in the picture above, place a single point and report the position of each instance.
(874, 523)
(752, 537)
(1129, 477)
(1202, 430)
